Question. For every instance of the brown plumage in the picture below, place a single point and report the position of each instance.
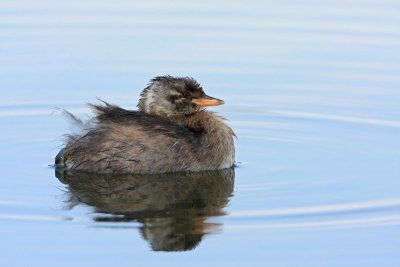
(171, 132)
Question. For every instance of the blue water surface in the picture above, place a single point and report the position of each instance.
(311, 90)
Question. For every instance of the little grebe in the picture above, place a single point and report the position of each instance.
(171, 132)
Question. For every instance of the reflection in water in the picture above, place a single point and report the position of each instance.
(173, 208)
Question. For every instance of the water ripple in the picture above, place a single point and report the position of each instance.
(314, 210)
(348, 223)
(346, 215)
(22, 217)
(331, 117)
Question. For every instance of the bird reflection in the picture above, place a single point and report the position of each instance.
(173, 208)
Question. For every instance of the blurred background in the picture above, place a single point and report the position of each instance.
(311, 89)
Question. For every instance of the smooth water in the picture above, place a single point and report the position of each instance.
(311, 89)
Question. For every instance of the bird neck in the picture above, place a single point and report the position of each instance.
(215, 137)
(204, 122)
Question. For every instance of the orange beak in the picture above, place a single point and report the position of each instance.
(207, 101)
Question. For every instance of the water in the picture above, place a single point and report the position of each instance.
(311, 89)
